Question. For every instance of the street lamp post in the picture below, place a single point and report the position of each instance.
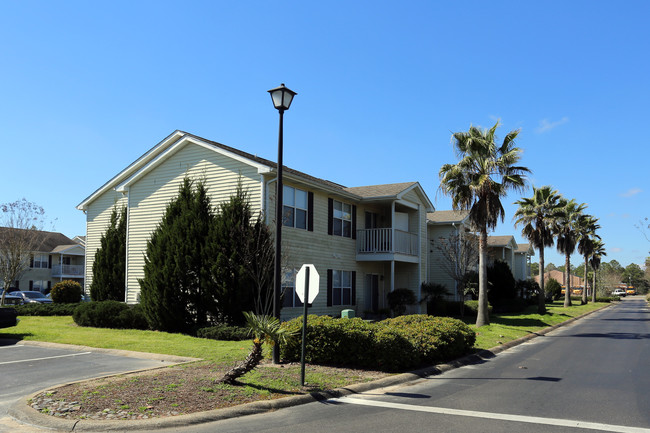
(282, 98)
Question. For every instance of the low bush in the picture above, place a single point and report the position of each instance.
(34, 309)
(110, 314)
(471, 308)
(224, 333)
(399, 299)
(66, 292)
(390, 345)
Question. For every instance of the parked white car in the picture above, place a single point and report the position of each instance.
(619, 292)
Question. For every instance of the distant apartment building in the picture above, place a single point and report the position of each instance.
(54, 257)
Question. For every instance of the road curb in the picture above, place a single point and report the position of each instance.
(24, 413)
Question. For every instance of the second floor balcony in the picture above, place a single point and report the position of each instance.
(70, 271)
(387, 244)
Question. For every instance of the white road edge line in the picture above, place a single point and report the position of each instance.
(497, 416)
(42, 359)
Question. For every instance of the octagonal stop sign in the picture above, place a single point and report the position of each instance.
(301, 279)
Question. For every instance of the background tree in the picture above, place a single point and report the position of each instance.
(534, 269)
(538, 215)
(485, 173)
(550, 267)
(459, 256)
(634, 276)
(109, 267)
(597, 253)
(587, 226)
(177, 292)
(567, 238)
(611, 275)
(20, 223)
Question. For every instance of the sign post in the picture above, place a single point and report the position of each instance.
(307, 275)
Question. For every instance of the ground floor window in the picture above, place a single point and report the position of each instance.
(290, 299)
(341, 287)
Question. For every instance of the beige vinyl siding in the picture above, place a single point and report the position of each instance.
(98, 218)
(150, 195)
(324, 251)
(436, 272)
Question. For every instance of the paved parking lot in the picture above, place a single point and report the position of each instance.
(27, 367)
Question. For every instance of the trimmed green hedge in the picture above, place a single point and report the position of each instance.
(110, 314)
(34, 309)
(66, 292)
(224, 333)
(392, 345)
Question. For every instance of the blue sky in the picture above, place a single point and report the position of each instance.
(88, 87)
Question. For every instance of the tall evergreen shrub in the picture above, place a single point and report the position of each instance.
(110, 261)
(177, 292)
(243, 265)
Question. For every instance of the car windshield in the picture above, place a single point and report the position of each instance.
(33, 295)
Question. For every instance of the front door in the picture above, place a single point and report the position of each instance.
(372, 292)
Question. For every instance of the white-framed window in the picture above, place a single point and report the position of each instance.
(294, 207)
(341, 287)
(66, 260)
(289, 290)
(39, 285)
(41, 261)
(342, 219)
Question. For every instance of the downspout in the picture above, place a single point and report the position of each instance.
(126, 249)
(266, 198)
(457, 258)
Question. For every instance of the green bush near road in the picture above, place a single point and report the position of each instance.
(66, 292)
(110, 314)
(391, 345)
(34, 309)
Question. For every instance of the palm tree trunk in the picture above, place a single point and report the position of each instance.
(584, 288)
(567, 281)
(251, 361)
(541, 297)
(483, 315)
(593, 288)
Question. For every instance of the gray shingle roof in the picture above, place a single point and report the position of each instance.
(447, 216)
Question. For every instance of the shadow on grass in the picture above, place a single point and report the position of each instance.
(11, 338)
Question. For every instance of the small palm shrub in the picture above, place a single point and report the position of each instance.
(66, 292)
(110, 314)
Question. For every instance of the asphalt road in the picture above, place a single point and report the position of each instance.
(591, 375)
(25, 369)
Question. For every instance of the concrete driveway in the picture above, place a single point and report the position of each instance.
(27, 367)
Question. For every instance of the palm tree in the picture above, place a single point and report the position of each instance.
(567, 238)
(597, 253)
(587, 227)
(538, 215)
(263, 329)
(484, 174)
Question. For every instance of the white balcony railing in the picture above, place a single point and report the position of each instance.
(67, 270)
(371, 241)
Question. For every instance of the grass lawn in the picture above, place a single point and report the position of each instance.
(62, 329)
(508, 327)
(502, 328)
